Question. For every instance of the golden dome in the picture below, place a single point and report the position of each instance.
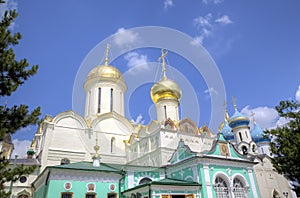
(165, 89)
(105, 71)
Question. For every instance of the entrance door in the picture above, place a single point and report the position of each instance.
(178, 196)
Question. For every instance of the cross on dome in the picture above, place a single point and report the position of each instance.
(234, 103)
(253, 118)
(106, 54)
(163, 63)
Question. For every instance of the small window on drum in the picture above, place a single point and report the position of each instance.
(23, 179)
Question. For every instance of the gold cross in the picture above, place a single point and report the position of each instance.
(163, 64)
(233, 102)
(106, 54)
(253, 118)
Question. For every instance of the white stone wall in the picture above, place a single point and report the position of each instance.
(268, 180)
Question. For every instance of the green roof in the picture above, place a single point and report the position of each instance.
(166, 181)
(169, 181)
(88, 166)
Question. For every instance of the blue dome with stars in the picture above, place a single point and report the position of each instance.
(238, 119)
(227, 131)
(258, 134)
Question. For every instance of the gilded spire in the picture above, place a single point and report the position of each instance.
(253, 118)
(163, 62)
(106, 54)
(226, 111)
(96, 147)
(234, 103)
(96, 157)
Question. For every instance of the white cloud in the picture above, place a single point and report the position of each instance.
(125, 37)
(168, 3)
(203, 21)
(135, 59)
(298, 94)
(206, 26)
(20, 148)
(223, 20)
(265, 117)
(198, 40)
(136, 62)
(281, 122)
(138, 120)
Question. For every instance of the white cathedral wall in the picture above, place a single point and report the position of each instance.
(65, 143)
(108, 129)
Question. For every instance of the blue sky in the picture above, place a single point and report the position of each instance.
(255, 45)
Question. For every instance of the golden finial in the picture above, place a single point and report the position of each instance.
(106, 54)
(253, 118)
(226, 111)
(163, 63)
(234, 103)
(96, 147)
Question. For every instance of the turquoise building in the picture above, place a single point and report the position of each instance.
(220, 172)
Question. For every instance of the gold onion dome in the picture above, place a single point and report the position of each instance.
(105, 71)
(165, 89)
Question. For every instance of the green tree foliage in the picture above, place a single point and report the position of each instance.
(285, 144)
(13, 73)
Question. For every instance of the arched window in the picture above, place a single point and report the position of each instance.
(23, 196)
(221, 188)
(111, 99)
(239, 189)
(244, 150)
(275, 194)
(99, 100)
(240, 134)
(112, 144)
(145, 180)
(165, 111)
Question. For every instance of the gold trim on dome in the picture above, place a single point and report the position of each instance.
(221, 126)
(239, 118)
(164, 95)
(240, 127)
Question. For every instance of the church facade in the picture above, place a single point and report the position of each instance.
(103, 154)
